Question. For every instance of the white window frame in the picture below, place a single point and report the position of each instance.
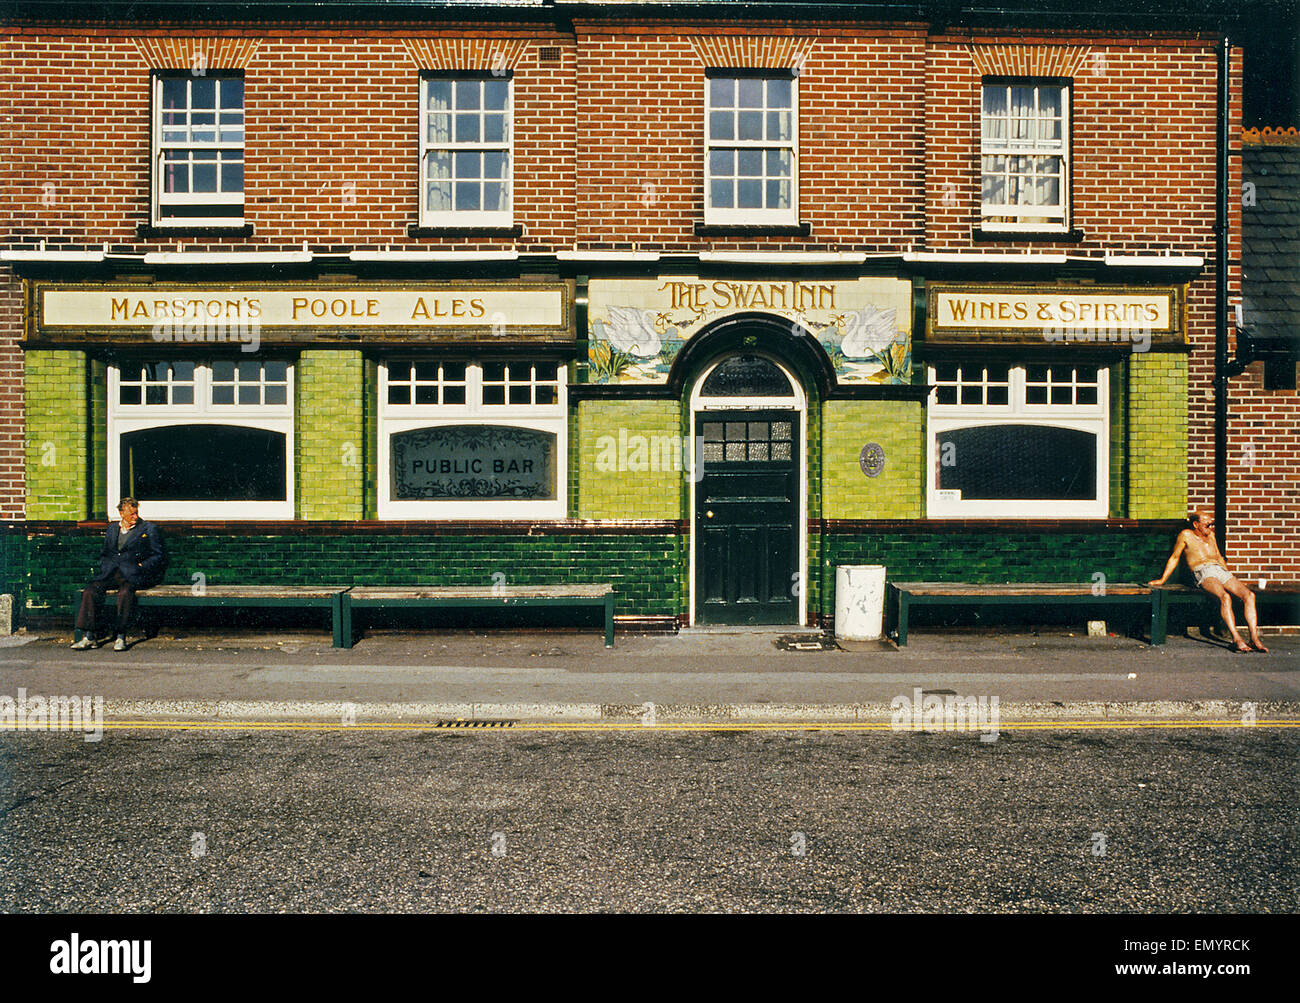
(1057, 217)
(1094, 418)
(552, 418)
(158, 197)
(756, 217)
(467, 217)
(134, 417)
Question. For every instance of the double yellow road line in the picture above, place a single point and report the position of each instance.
(490, 726)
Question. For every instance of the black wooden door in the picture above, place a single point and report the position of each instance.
(746, 518)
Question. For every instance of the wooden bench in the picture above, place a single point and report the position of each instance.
(500, 596)
(244, 596)
(1283, 595)
(904, 595)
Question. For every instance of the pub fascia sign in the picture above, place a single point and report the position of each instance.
(165, 309)
(637, 326)
(1076, 314)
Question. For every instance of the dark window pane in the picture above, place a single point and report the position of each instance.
(494, 395)
(467, 196)
(997, 395)
(203, 92)
(453, 395)
(945, 372)
(223, 394)
(946, 395)
(399, 394)
(277, 395)
(155, 395)
(1036, 374)
(453, 372)
(972, 394)
(494, 371)
(426, 394)
(250, 394)
(520, 394)
(467, 94)
(722, 92)
(495, 93)
(182, 395)
(1061, 395)
(473, 461)
(426, 371)
(749, 194)
(750, 92)
(232, 92)
(203, 463)
(747, 376)
(547, 395)
(1027, 462)
(128, 395)
(1087, 395)
(1035, 395)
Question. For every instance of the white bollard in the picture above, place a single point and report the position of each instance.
(859, 601)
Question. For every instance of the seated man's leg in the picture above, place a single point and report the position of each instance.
(125, 606)
(91, 596)
(1216, 589)
(1242, 591)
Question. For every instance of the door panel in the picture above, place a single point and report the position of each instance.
(746, 517)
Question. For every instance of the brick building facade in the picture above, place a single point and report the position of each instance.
(554, 292)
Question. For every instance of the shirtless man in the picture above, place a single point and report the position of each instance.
(1212, 574)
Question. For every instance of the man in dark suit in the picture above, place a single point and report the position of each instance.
(133, 557)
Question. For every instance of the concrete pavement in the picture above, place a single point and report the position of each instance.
(712, 674)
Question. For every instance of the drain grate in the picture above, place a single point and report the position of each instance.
(462, 723)
(805, 642)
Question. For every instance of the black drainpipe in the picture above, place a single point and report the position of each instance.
(1221, 309)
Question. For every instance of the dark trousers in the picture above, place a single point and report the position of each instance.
(93, 594)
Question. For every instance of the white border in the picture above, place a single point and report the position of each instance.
(1093, 418)
(133, 417)
(553, 418)
(754, 403)
(754, 217)
(465, 217)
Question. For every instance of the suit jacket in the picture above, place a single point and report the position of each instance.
(142, 560)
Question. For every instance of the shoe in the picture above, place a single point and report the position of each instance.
(120, 643)
(85, 644)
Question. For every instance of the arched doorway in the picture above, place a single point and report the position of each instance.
(748, 492)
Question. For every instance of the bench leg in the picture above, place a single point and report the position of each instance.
(902, 619)
(343, 636)
(609, 621)
(1159, 617)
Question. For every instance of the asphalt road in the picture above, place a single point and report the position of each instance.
(1193, 821)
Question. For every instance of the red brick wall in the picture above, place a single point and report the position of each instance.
(608, 153)
(641, 151)
(324, 109)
